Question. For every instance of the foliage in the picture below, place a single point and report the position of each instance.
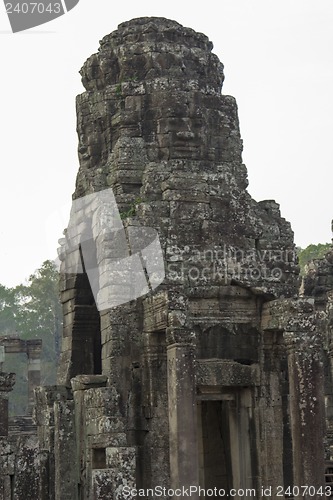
(7, 310)
(32, 311)
(131, 212)
(118, 90)
(312, 252)
(39, 311)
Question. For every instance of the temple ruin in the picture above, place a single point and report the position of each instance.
(222, 375)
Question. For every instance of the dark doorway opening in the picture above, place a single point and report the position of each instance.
(86, 326)
(215, 455)
(226, 457)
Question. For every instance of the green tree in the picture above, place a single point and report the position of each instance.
(312, 252)
(32, 310)
(39, 312)
(7, 310)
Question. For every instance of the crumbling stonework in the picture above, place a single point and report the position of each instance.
(216, 378)
(318, 284)
(19, 447)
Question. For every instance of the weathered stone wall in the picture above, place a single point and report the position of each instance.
(19, 450)
(318, 284)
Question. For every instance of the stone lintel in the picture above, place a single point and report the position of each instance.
(231, 304)
(16, 345)
(225, 373)
(106, 440)
(83, 382)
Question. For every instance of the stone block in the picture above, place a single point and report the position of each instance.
(65, 452)
(219, 373)
(85, 382)
(122, 459)
(104, 424)
(185, 195)
(25, 482)
(107, 484)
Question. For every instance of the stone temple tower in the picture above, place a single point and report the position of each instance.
(199, 381)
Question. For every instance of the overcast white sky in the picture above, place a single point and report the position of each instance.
(278, 64)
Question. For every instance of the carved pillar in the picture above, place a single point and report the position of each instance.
(34, 348)
(7, 381)
(155, 405)
(329, 393)
(270, 412)
(44, 415)
(184, 459)
(306, 407)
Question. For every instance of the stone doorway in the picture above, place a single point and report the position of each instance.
(224, 431)
(82, 332)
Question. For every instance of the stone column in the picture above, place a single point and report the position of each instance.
(44, 414)
(184, 453)
(269, 412)
(34, 348)
(65, 452)
(7, 381)
(306, 386)
(155, 453)
(329, 393)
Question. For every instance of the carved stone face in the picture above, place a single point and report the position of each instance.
(90, 144)
(94, 134)
(153, 121)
